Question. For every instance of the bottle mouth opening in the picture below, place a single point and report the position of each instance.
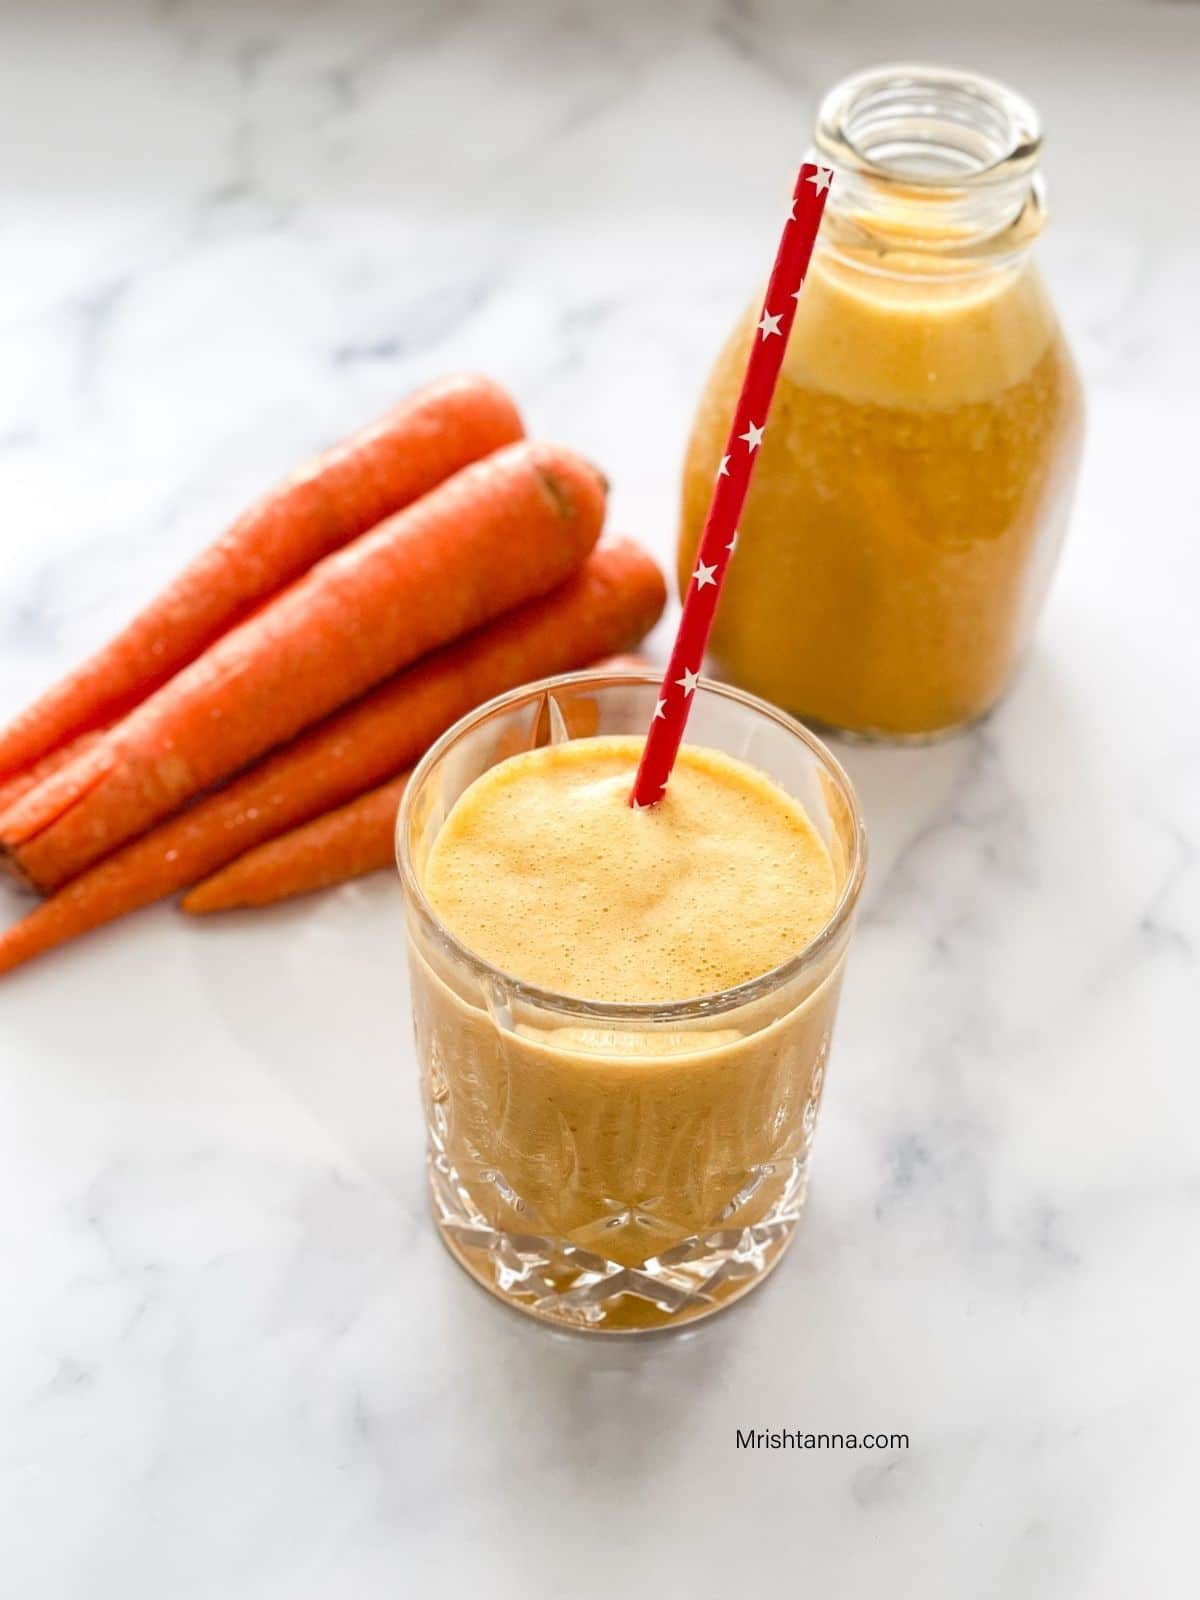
(929, 127)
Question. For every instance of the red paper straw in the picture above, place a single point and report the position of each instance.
(733, 479)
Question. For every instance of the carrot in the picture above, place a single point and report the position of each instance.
(316, 510)
(615, 598)
(20, 783)
(624, 662)
(345, 843)
(499, 532)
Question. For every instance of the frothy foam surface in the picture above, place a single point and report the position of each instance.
(544, 870)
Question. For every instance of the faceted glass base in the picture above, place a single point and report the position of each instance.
(573, 1287)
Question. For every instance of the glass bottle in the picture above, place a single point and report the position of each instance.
(920, 457)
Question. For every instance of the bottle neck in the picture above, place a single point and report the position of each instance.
(931, 164)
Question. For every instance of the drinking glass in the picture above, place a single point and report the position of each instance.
(617, 1167)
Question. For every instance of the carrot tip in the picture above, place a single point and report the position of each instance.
(11, 868)
(196, 902)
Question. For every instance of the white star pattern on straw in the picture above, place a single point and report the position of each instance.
(797, 238)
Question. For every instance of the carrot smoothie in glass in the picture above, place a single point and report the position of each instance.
(623, 1016)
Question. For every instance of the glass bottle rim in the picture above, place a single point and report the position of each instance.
(926, 127)
(622, 1013)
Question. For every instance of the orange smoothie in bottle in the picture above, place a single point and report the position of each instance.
(919, 460)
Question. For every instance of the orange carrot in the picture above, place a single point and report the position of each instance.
(335, 498)
(614, 599)
(499, 532)
(346, 843)
(20, 783)
(316, 510)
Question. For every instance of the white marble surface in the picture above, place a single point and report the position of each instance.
(235, 1361)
